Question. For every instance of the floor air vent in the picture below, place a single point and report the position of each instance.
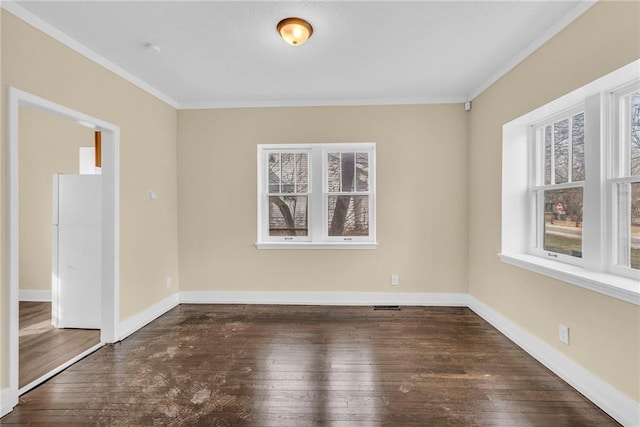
(386, 307)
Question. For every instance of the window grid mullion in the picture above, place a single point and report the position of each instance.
(623, 168)
(317, 176)
(295, 173)
(353, 180)
(566, 185)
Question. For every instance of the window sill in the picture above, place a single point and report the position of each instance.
(608, 284)
(316, 245)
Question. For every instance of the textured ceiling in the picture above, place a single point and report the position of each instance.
(225, 54)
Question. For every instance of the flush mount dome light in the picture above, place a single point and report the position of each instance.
(295, 31)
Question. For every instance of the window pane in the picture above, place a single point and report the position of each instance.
(287, 172)
(563, 221)
(578, 147)
(362, 171)
(288, 216)
(561, 150)
(348, 215)
(635, 134)
(341, 171)
(302, 173)
(347, 166)
(333, 172)
(547, 155)
(274, 173)
(629, 225)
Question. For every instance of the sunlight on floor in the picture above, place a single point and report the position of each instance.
(37, 328)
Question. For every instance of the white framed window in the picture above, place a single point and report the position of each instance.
(571, 187)
(287, 194)
(557, 193)
(624, 181)
(316, 196)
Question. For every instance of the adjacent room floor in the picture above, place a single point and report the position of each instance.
(299, 365)
(43, 347)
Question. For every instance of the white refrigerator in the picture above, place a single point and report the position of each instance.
(76, 264)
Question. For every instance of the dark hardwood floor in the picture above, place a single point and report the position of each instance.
(43, 347)
(227, 365)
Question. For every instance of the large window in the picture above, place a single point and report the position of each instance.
(626, 179)
(571, 187)
(316, 195)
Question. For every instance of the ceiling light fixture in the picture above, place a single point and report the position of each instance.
(295, 31)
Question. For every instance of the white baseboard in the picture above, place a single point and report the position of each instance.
(619, 406)
(34, 296)
(137, 321)
(8, 401)
(324, 298)
(622, 408)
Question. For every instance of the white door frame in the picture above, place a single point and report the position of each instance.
(110, 225)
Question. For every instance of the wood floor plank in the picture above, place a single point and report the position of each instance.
(230, 365)
(42, 347)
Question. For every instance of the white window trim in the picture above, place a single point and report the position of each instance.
(263, 194)
(317, 238)
(536, 179)
(611, 285)
(316, 245)
(597, 275)
(349, 148)
(619, 173)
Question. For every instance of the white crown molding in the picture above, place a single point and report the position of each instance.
(324, 298)
(214, 105)
(550, 32)
(68, 41)
(619, 406)
(71, 43)
(34, 296)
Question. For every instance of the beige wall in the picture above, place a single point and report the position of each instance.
(34, 62)
(48, 145)
(434, 212)
(421, 200)
(605, 332)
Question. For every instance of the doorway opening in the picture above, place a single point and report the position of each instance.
(59, 243)
(108, 223)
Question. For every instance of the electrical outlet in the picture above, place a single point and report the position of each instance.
(563, 333)
(394, 280)
(169, 282)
